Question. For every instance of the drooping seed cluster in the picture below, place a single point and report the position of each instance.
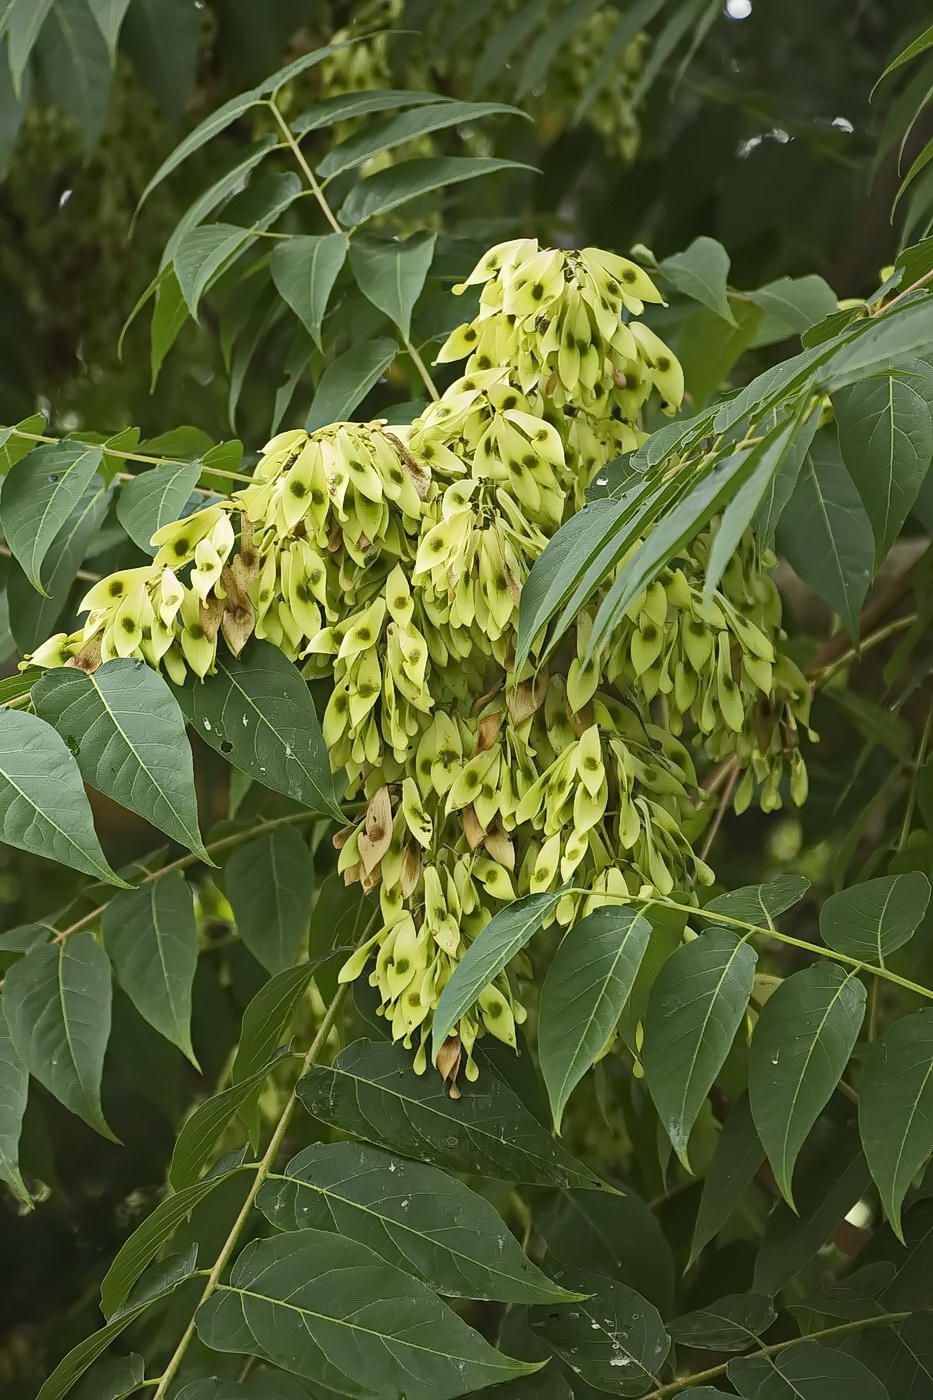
(391, 560)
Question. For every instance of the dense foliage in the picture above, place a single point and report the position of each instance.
(467, 852)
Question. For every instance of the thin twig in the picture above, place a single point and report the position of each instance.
(135, 457)
(720, 812)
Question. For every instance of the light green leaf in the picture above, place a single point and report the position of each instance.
(414, 1217)
(25, 18)
(344, 106)
(155, 498)
(805, 1372)
(39, 494)
(735, 1162)
(879, 344)
(14, 1089)
(392, 275)
(258, 712)
(587, 985)
(330, 1309)
(388, 189)
(886, 436)
(128, 737)
(151, 936)
(614, 1338)
(57, 1005)
(695, 1008)
(169, 315)
(270, 884)
(347, 380)
(304, 270)
(758, 904)
(375, 137)
(733, 1323)
(701, 272)
(109, 15)
(43, 805)
(825, 533)
(148, 1238)
(496, 945)
(870, 920)
(805, 1034)
(76, 66)
(781, 486)
(797, 302)
(896, 1108)
(372, 1092)
(201, 1131)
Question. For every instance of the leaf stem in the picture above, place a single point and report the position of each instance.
(265, 1167)
(305, 167)
(134, 457)
(701, 1377)
(422, 369)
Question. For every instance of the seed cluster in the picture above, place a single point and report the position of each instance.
(391, 560)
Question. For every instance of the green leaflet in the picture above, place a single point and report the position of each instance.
(152, 938)
(695, 1008)
(347, 380)
(154, 498)
(802, 1042)
(872, 919)
(758, 904)
(372, 1092)
(734, 1323)
(270, 885)
(896, 1108)
(388, 189)
(736, 1160)
(331, 1310)
(304, 270)
(807, 1371)
(504, 936)
(57, 1005)
(414, 1217)
(128, 736)
(14, 1088)
(39, 494)
(701, 272)
(392, 275)
(586, 988)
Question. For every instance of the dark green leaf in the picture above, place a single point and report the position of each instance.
(826, 534)
(57, 1005)
(586, 988)
(797, 302)
(910, 1285)
(505, 935)
(230, 183)
(39, 494)
(347, 380)
(258, 712)
(155, 498)
(918, 46)
(695, 1008)
(372, 1092)
(304, 270)
(414, 1217)
(344, 106)
(24, 19)
(340, 915)
(701, 272)
(896, 1107)
(109, 15)
(162, 38)
(548, 1384)
(152, 938)
(618, 1236)
(886, 435)
(827, 1188)
(870, 920)
(202, 254)
(735, 1162)
(128, 737)
(76, 66)
(806, 1371)
(879, 344)
(148, 1238)
(330, 1309)
(758, 904)
(375, 137)
(781, 486)
(388, 189)
(113, 1380)
(614, 1339)
(201, 1132)
(392, 275)
(805, 1034)
(265, 1022)
(14, 1088)
(733, 1323)
(270, 884)
(43, 805)
(901, 1357)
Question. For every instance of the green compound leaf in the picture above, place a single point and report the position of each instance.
(587, 985)
(258, 713)
(505, 935)
(128, 737)
(39, 494)
(57, 1005)
(331, 1310)
(695, 1008)
(415, 1217)
(870, 920)
(270, 885)
(896, 1108)
(152, 937)
(372, 1092)
(805, 1034)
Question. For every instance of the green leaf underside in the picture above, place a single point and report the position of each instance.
(415, 1217)
(372, 1092)
(333, 1311)
(695, 1008)
(128, 737)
